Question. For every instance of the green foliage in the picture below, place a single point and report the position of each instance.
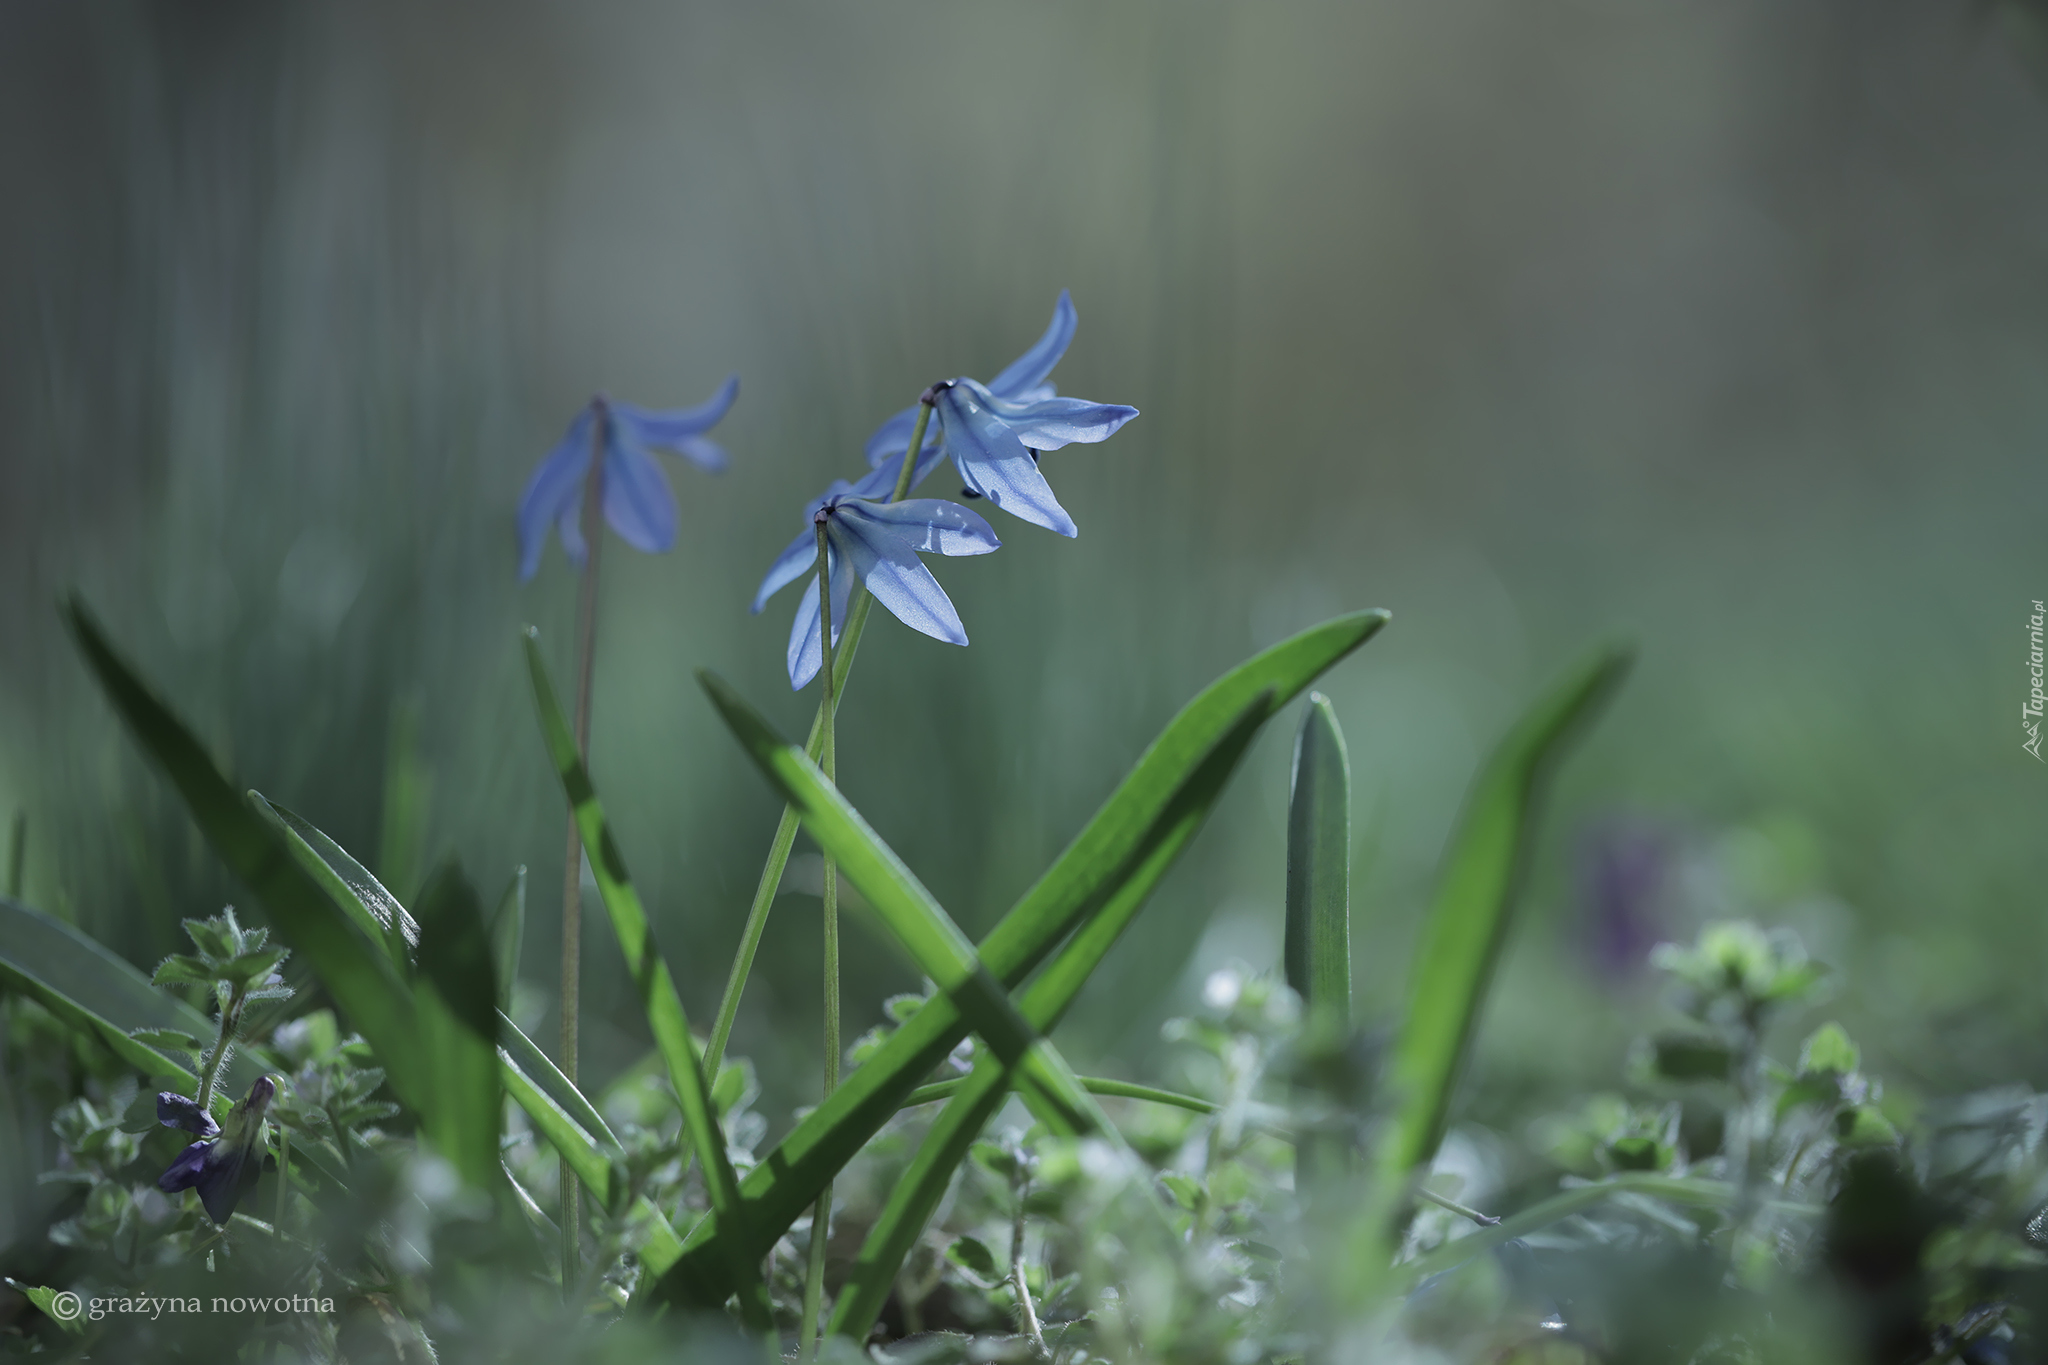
(1317, 948)
(1468, 919)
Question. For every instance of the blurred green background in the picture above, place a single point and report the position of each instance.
(1725, 326)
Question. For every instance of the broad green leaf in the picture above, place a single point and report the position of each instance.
(103, 995)
(1103, 875)
(1317, 948)
(1468, 919)
(917, 1193)
(356, 973)
(456, 1005)
(46, 1300)
(508, 935)
(935, 944)
(666, 1018)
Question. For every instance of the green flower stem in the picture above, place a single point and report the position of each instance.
(821, 1216)
(284, 1176)
(1482, 1219)
(839, 664)
(230, 1019)
(572, 862)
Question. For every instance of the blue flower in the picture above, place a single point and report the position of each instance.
(879, 543)
(219, 1165)
(637, 501)
(994, 432)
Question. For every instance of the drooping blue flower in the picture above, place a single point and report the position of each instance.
(994, 432)
(637, 501)
(879, 543)
(220, 1165)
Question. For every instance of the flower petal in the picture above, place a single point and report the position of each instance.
(886, 559)
(704, 453)
(224, 1176)
(793, 563)
(1049, 423)
(926, 525)
(1029, 370)
(183, 1173)
(637, 501)
(569, 526)
(805, 655)
(181, 1111)
(994, 463)
(671, 427)
(556, 486)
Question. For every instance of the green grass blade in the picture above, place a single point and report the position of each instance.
(23, 962)
(508, 936)
(1317, 949)
(1094, 1085)
(1686, 1192)
(658, 996)
(541, 1071)
(349, 884)
(917, 1194)
(1468, 918)
(357, 974)
(1103, 875)
(591, 1162)
(456, 1003)
(934, 942)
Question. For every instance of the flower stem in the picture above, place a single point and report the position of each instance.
(284, 1176)
(838, 664)
(572, 868)
(1026, 1312)
(230, 1017)
(821, 1216)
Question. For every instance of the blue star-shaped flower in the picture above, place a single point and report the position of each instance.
(879, 543)
(994, 432)
(218, 1165)
(637, 501)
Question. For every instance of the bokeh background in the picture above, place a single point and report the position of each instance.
(1724, 326)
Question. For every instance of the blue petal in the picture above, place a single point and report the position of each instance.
(183, 1173)
(893, 436)
(793, 563)
(1031, 369)
(224, 1176)
(637, 502)
(569, 526)
(1049, 423)
(556, 486)
(704, 453)
(179, 1111)
(926, 525)
(885, 557)
(994, 463)
(805, 655)
(672, 427)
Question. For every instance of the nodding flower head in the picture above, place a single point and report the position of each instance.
(220, 1165)
(879, 544)
(996, 431)
(636, 498)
